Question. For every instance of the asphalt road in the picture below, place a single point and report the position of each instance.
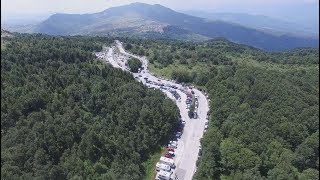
(188, 147)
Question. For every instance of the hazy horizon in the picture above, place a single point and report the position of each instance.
(28, 12)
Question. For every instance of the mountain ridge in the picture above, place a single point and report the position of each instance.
(137, 19)
(261, 22)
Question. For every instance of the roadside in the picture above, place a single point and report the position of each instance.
(150, 164)
(179, 161)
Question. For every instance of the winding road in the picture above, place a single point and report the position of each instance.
(188, 147)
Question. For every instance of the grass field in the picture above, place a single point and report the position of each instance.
(167, 71)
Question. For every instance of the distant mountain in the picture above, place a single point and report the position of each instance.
(158, 21)
(5, 33)
(27, 28)
(260, 22)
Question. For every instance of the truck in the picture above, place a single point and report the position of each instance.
(167, 161)
(164, 167)
(163, 175)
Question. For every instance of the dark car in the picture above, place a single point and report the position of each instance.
(195, 115)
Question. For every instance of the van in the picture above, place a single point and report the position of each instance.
(164, 175)
(167, 161)
(164, 167)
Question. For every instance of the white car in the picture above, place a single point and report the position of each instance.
(164, 167)
(206, 127)
(174, 144)
(178, 135)
(171, 153)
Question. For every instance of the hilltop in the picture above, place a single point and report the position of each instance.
(157, 21)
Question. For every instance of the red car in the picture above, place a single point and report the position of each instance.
(170, 149)
(168, 156)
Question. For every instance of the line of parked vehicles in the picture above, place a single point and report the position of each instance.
(163, 86)
(165, 166)
(192, 113)
(166, 163)
(175, 94)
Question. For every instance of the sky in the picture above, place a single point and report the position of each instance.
(284, 9)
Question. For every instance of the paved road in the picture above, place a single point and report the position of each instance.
(186, 153)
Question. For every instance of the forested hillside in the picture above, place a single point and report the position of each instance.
(264, 111)
(65, 115)
(264, 123)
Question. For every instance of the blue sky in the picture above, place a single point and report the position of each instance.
(285, 9)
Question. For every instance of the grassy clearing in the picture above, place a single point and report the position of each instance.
(167, 71)
(164, 72)
(150, 164)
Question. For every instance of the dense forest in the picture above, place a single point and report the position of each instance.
(264, 108)
(66, 115)
(264, 124)
(134, 64)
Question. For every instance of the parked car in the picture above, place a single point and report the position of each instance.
(170, 149)
(168, 156)
(164, 167)
(178, 135)
(200, 151)
(173, 144)
(180, 129)
(171, 153)
(195, 115)
(170, 146)
(167, 161)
